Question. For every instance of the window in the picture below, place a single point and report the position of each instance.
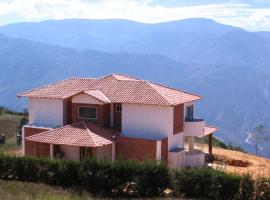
(87, 113)
(189, 113)
(118, 108)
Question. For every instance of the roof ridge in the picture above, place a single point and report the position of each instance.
(149, 83)
(89, 132)
(158, 84)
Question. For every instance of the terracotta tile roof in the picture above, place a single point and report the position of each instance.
(209, 129)
(117, 88)
(79, 134)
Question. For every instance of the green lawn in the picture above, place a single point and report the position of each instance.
(36, 191)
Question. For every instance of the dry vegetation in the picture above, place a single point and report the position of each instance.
(9, 126)
(239, 162)
(18, 190)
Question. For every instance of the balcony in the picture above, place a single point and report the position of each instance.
(194, 127)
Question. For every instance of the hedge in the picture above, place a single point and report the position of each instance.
(123, 178)
(102, 178)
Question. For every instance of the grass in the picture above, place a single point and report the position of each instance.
(36, 191)
(9, 124)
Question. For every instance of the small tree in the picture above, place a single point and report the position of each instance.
(1, 110)
(258, 136)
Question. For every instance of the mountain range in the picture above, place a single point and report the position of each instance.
(227, 65)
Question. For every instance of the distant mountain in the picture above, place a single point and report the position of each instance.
(201, 41)
(232, 70)
(25, 64)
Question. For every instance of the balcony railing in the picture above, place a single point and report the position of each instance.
(193, 120)
(194, 127)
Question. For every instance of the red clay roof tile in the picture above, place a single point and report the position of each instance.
(116, 88)
(79, 134)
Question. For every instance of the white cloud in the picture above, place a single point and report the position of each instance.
(237, 14)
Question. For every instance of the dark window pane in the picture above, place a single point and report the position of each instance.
(87, 113)
(189, 113)
(118, 108)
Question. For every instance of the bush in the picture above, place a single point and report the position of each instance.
(246, 188)
(262, 189)
(206, 184)
(152, 179)
(124, 178)
(102, 178)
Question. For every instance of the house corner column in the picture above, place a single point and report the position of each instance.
(210, 144)
(113, 151)
(23, 141)
(158, 150)
(191, 143)
(51, 151)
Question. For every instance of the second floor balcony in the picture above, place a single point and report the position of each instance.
(194, 127)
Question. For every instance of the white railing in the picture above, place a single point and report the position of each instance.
(194, 127)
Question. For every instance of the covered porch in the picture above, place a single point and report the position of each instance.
(74, 142)
(197, 152)
(194, 153)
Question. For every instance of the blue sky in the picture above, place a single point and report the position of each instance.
(252, 15)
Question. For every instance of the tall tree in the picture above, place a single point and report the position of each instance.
(259, 135)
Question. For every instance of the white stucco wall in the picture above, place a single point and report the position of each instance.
(70, 152)
(86, 99)
(147, 121)
(46, 112)
(150, 122)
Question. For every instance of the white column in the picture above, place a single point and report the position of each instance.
(113, 151)
(158, 150)
(51, 151)
(191, 143)
(23, 141)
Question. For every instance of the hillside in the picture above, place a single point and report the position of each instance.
(231, 161)
(232, 74)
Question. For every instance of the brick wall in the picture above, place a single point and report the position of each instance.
(164, 149)
(178, 118)
(103, 114)
(34, 148)
(135, 148)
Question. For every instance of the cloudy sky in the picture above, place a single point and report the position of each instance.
(252, 15)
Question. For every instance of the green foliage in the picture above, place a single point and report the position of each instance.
(246, 189)
(123, 178)
(152, 179)
(262, 189)
(102, 178)
(206, 184)
(4, 110)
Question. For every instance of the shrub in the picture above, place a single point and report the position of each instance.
(205, 184)
(246, 188)
(152, 179)
(262, 189)
(121, 178)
